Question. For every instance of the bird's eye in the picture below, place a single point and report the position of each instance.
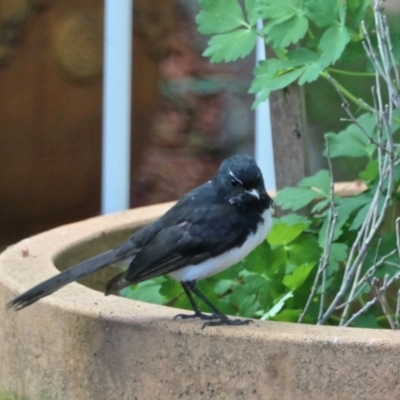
(234, 182)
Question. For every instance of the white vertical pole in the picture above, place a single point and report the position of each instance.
(264, 150)
(117, 105)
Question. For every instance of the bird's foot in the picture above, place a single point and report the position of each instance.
(226, 321)
(199, 315)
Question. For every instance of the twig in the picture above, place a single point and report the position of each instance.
(361, 311)
(359, 283)
(381, 296)
(398, 235)
(324, 260)
(382, 62)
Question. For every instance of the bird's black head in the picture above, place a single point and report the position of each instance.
(239, 181)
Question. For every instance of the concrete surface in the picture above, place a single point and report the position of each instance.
(79, 345)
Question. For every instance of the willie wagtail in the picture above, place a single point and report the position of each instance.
(211, 228)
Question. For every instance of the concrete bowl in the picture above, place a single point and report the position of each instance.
(78, 345)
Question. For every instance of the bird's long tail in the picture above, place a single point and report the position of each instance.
(117, 283)
(72, 274)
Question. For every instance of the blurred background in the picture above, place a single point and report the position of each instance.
(187, 114)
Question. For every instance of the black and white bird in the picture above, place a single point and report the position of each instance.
(208, 230)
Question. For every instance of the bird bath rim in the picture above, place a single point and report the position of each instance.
(79, 333)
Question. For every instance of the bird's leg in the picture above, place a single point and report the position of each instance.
(197, 312)
(217, 316)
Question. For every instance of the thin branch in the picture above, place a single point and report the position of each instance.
(324, 260)
(381, 296)
(398, 235)
(383, 190)
(360, 312)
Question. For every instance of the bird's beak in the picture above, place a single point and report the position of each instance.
(254, 192)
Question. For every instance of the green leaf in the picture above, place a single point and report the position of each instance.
(321, 207)
(310, 188)
(397, 173)
(352, 142)
(234, 37)
(259, 259)
(295, 198)
(148, 291)
(285, 21)
(208, 290)
(348, 143)
(371, 171)
(357, 10)
(363, 211)
(222, 286)
(366, 321)
(279, 82)
(323, 13)
(278, 259)
(283, 234)
(338, 253)
(282, 34)
(239, 293)
(231, 46)
(395, 121)
(311, 72)
(298, 276)
(271, 69)
(251, 11)
(381, 248)
(320, 182)
(274, 74)
(310, 63)
(170, 288)
(303, 250)
(277, 306)
(301, 56)
(248, 306)
(287, 315)
(333, 43)
(255, 282)
(280, 11)
(292, 219)
(348, 205)
(338, 229)
(360, 217)
(229, 273)
(395, 40)
(219, 16)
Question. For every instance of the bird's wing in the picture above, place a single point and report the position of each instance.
(136, 242)
(174, 215)
(205, 232)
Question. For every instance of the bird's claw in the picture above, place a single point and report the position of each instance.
(198, 315)
(227, 321)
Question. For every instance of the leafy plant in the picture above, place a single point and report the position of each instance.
(338, 262)
(323, 32)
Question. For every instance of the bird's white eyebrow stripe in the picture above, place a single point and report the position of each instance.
(234, 177)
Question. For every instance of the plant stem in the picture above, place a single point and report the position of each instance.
(346, 92)
(351, 73)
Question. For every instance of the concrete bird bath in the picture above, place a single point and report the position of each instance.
(78, 344)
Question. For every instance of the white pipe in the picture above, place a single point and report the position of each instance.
(117, 105)
(264, 150)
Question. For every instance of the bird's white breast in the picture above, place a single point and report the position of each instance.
(227, 259)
